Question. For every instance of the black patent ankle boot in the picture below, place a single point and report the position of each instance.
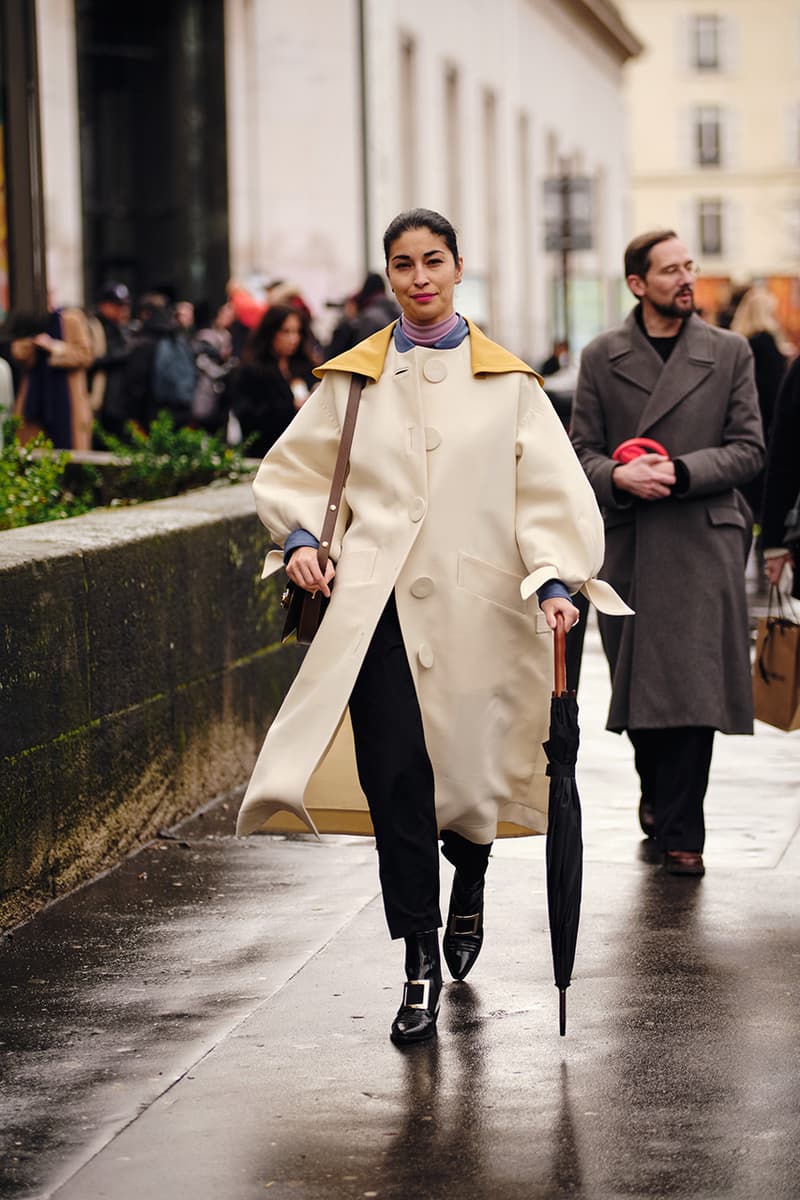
(416, 1017)
(463, 936)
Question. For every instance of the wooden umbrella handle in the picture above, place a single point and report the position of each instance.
(560, 656)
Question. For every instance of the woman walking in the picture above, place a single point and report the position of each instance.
(464, 500)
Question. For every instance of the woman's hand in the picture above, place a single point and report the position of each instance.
(559, 605)
(773, 566)
(303, 569)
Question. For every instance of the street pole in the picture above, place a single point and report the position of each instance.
(566, 233)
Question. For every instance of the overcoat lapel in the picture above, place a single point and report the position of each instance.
(632, 357)
(691, 361)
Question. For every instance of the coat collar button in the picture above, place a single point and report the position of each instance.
(434, 370)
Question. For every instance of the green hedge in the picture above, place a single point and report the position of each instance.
(39, 483)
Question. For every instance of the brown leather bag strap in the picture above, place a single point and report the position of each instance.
(340, 470)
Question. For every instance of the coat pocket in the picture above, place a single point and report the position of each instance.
(496, 585)
(726, 514)
(355, 567)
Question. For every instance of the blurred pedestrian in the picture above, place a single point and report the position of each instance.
(160, 374)
(53, 351)
(272, 380)
(755, 319)
(677, 533)
(782, 484)
(213, 349)
(345, 334)
(375, 308)
(463, 499)
(557, 359)
(112, 347)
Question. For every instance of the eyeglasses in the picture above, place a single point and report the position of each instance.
(674, 269)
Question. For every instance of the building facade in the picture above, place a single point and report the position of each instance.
(189, 142)
(714, 115)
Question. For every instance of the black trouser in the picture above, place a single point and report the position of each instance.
(673, 766)
(397, 778)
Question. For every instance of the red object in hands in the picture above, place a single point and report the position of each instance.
(634, 447)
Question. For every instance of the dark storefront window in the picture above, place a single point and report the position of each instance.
(22, 255)
(151, 81)
(5, 295)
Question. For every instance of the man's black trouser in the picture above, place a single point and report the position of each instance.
(673, 766)
(397, 778)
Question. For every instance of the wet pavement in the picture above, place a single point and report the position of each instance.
(210, 1019)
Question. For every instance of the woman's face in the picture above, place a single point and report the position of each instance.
(287, 338)
(423, 274)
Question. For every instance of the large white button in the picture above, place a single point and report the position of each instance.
(422, 587)
(416, 509)
(434, 370)
(425, 655)
(432, 438)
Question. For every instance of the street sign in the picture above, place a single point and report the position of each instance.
(568, 213)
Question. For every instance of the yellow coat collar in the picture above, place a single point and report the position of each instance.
(368, 357)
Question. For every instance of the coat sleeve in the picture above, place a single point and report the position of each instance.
(741, 455)
(590, 438)
(75, 350)
(783, 461)
(559, 526)
(294, 480)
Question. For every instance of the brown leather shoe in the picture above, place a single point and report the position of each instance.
(684, 862)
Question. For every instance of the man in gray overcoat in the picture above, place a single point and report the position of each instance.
(677, 533)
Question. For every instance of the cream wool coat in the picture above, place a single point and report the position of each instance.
(464, 495)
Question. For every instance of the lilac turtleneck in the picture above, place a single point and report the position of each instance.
(428, 335)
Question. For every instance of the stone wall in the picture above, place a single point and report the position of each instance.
(140, 665)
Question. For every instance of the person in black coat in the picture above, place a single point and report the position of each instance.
(272, 381)
(782, 483)
(107, 374)
(755, 320)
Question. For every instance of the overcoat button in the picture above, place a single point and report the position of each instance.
(416, 509)
(422, 587)
(432, 438)
(425, 655)
(434, 370)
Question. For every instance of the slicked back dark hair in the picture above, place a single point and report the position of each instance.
(637, 252)
(420, 218)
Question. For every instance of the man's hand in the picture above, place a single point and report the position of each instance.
(303, 569)
(557, 604)
(650, 477)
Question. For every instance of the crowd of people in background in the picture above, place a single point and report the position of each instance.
(240, 370)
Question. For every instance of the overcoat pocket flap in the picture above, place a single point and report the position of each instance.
(726, 514)
(490, 582)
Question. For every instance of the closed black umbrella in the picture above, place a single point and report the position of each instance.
(564, 841)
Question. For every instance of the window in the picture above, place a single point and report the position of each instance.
(708, 136)
(709, 226)
(705, 43)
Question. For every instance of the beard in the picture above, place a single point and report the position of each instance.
(674, 309)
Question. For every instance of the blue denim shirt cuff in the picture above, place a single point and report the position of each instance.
(300, 537)
(550, 590)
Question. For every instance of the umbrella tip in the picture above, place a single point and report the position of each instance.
(562, 1011)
